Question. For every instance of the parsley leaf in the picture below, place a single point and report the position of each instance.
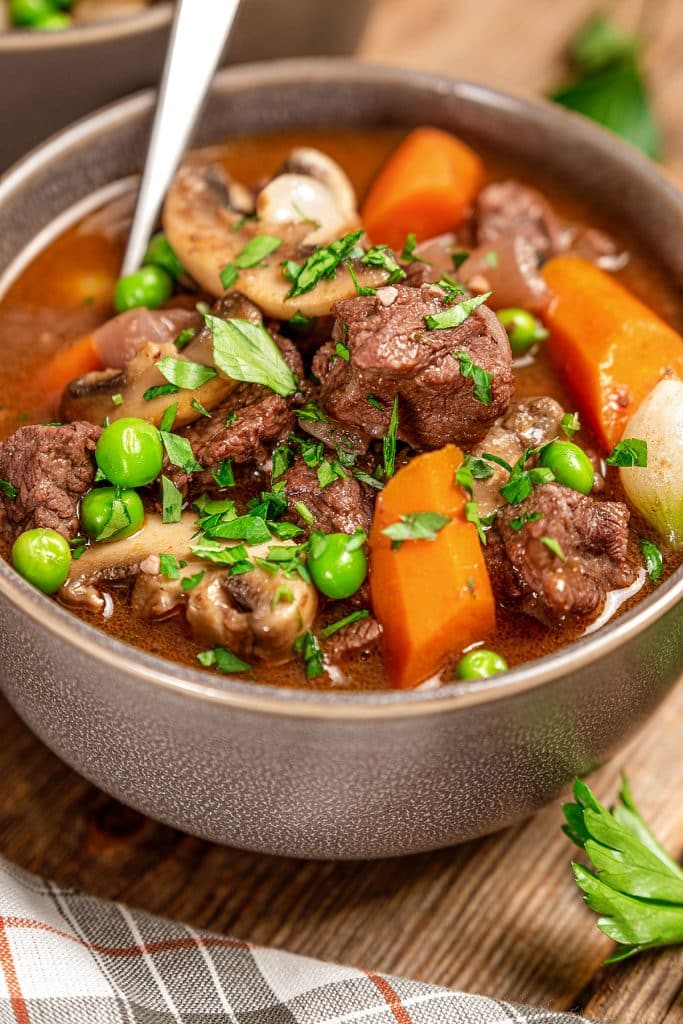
(198, 407)
(8, 489)
(636, 887)
(382, 256)
(652, 557)
(408, 251)
(308, 649)
(179, 452)
(171, 501)
(282, 459)
(389, 441)
(119, 519)
(190, 582)
(472, 469)
(456, 314)
(183, 373)
(322, 263)
(246, 352)
(168, 566)
(570, 424)
(184, 338)
(223, 660)
(630, 451)
(160, 389)
(342, 351)
(554, 546)
(253, 253)
(520, 521)
(459, 257)
(334, 627)
(415, 526)
(168, 417)
(481, 378)
(224, 475)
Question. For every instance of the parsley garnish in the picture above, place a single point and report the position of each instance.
(520, 521)
(322, 263)
(415, 526)
(169, 566)
(456, 314)
(365, 478)
(308, 649)
(408, 251)
(451, 287)
(190, 582)
(300, 319)
(282, 593)
(521, 480)
(119, 519)
(630, 451)
(652, 557)
(389, 441)
(329, 472)
(636, 887)
(481, 378)
(183, 373)
(223, 660)
(184, 338)
(374, 402)
(168, 417)
(224, 475)
(491, 259)
(282, 459)
(334, 627)
(312, 411)
(228, 275)
(246, 352)
(472, 469)
(570, 424)
(554, 546)
(8, 489)
(305, 512)
(171, 501)
(160, 389)
(342, 351)
(236, 556)
(459, 257)
(117, 399)
(253, 253)
(382, 256)
(198, 407)
(179, 452)
(78, 545)
(361, 289)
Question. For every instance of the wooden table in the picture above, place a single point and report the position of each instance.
(501, 915)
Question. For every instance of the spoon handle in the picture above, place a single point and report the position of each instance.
(195, 47)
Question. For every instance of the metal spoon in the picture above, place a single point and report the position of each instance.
(197, 39)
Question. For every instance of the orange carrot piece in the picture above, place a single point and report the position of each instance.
(433, 598)
(609, 347)
(426, 187)
(66, 365)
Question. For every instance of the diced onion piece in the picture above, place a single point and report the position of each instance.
(657, 490)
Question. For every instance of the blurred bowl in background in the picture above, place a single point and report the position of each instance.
(49, 79)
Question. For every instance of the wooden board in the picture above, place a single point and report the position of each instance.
(500, 916)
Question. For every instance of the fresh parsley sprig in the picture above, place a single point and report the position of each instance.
(636, 887)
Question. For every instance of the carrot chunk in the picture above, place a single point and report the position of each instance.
(426, 187)
(67, 364)
(432, 597)
(609, 347)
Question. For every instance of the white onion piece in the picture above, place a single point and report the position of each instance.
(657, 490)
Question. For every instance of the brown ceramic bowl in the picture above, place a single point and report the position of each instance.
(48, 79)
(335, 774)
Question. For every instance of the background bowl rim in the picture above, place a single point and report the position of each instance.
(287, 701)
(18, 40)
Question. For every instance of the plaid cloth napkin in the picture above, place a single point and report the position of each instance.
(68, 958)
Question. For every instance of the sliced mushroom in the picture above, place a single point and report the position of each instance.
(91, 397)
(119, 560)
(257, 614)
(207, 232)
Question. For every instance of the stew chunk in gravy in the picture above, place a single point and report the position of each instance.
(374, 412)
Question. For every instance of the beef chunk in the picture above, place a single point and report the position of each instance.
(358, 638)
(391, 351)
(593, 537)
(51, 469)
(506, 208)
(243, 429)
(342, 507)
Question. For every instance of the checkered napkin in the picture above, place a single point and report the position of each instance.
(67, 958)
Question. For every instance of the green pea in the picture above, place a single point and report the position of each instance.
(148, 286)
(129, 452)
(108, 513)
(569, 464)
(523, 329)
(480, 664)
(28, 13)
(161, 254)
(56, 22)
(337, 563)
(43, 558)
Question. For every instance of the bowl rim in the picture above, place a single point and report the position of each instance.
(263, 698)
(18, 40)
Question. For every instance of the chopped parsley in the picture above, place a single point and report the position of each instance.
(169, 566)
(652, 557)
(160, 389)
(78, 545)
(190, 582)
(491, 259)
(282, 459)
(228, 275)
(570, 424)
(245, 351)
(459, 257)
(452, 288)
(321, 264)
(381, 256)
(374, 402)
(283, 594)
(253, 253)
(198, 407)
(481, 378)
(472, 469)
(361, 289)
(119, 519)
(415, 526)
(456, 314)
(554, 546)
(184, 338)
(312, 411)
(8, 489)
(117, 399)
(308, 649)
(223, 660)
(305, 512)
(342, 351)
(179, 452)
(334, 627)
(520, 521)
(472, 516)
(365, 478)
(389, 441)
(300, 319)
(171, 501)
(521, 481)
(408, 251)
(630, 451)
(184, 373)
(224, 475)
(168, 417)
(236, 556)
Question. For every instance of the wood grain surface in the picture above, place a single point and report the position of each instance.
(501, 915)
